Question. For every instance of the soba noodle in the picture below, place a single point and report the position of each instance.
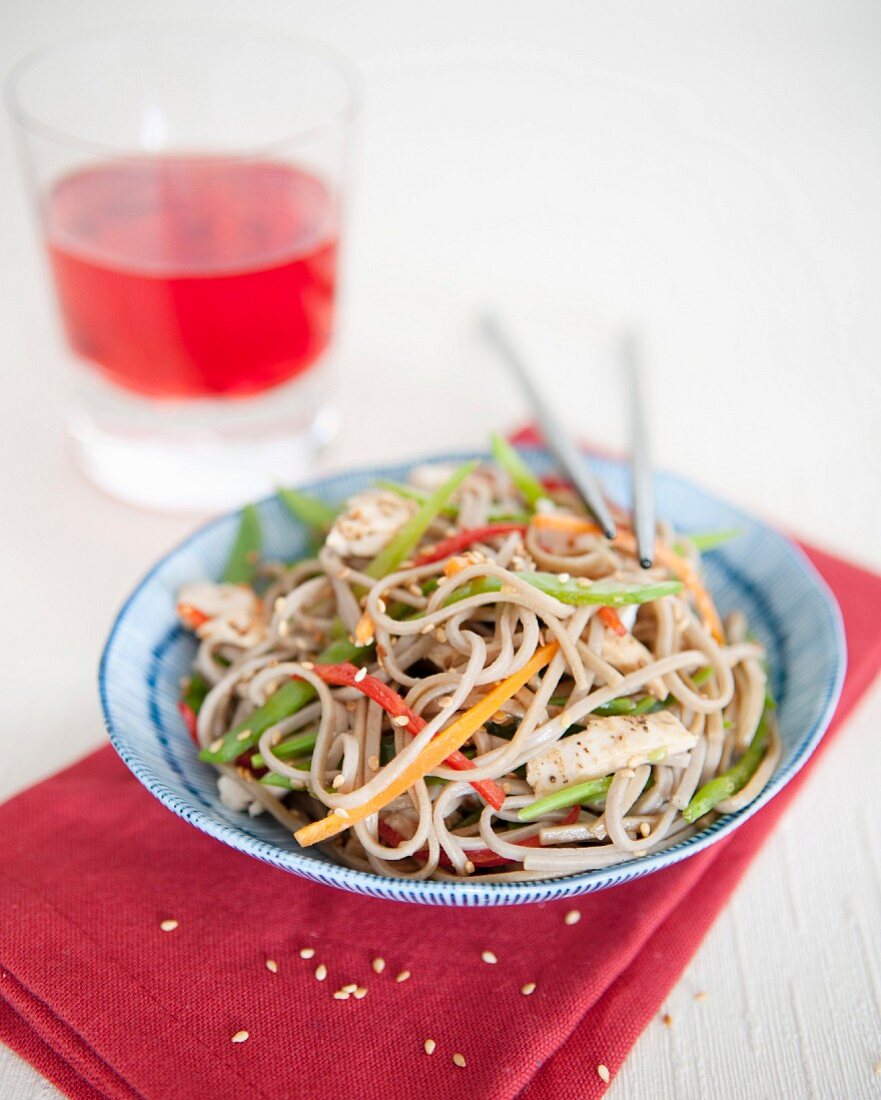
(443, 631)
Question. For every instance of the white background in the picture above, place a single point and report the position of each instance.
(712, 169)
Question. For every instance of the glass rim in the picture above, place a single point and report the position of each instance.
(339, 62)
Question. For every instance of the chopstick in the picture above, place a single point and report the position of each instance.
(557, 440)
(640, 458)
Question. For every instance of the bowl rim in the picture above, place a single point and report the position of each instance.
(473, 893)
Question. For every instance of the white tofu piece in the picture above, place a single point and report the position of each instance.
(369, 523)
(605, 746)
(232, 794)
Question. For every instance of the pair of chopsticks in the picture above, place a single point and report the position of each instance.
(571, 461)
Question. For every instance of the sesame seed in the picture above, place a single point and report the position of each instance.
(307, 952)
(272, 966)
(360, 993)
(701, 995)
(528, 989)
(644, 828)
(240, 1037)
(584, 582)
(441, 635)
(401, 720)
(216, 746)
(340, 811)
(278, 603)
(459, 1060)
(381, 606)
(307, 665)
(360, 674)
(373, 763)
(341, 995)
(403, 976)
(572, 917)
(320, 972)
(168, 925)
(563, 578)
(603, 1071)
(489, 957)
(338, 781)
(243, 736)
(378, 965)
(283, 628)
(350, 987)
(429, 1046)
(667, 1020)
(427, 628)
(469, 867)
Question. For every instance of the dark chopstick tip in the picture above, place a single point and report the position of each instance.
(646, 563)
(610, 532)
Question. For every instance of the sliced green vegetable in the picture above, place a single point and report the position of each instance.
(732, 780)
(607, 593)
(709, 540)
(625, 704)
(470, 819)
(407, 539)
(528, 485)
(287, 700)
(411, 492)
(591, 790)
(273, 779)
(245, 553)
(309, 510)
(193, 695)
(299, 745)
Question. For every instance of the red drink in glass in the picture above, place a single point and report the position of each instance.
(188, 277)
(190, 181)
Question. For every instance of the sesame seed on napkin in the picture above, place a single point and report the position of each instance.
(141, 958)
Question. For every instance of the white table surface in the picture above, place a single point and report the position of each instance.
(711, 168)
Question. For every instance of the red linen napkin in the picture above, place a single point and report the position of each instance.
(106, 1004)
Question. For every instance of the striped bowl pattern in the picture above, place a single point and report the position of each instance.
(788, 606)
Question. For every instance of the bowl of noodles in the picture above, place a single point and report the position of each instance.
(440, 683)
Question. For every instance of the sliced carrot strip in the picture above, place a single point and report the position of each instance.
(191, 616)
(609, 618)
(347, 675)
(435, 752)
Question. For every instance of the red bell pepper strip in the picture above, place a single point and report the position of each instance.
(609, 618)
(346, 675)
(463, 539)
(480, 857)
(555, 484)
(190, 720)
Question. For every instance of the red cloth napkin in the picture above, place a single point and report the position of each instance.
(106, 1004)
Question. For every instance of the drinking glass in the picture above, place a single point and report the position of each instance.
(190, 183)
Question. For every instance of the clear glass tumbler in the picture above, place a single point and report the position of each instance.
(190, 183)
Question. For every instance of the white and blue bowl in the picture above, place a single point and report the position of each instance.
(763, 573)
